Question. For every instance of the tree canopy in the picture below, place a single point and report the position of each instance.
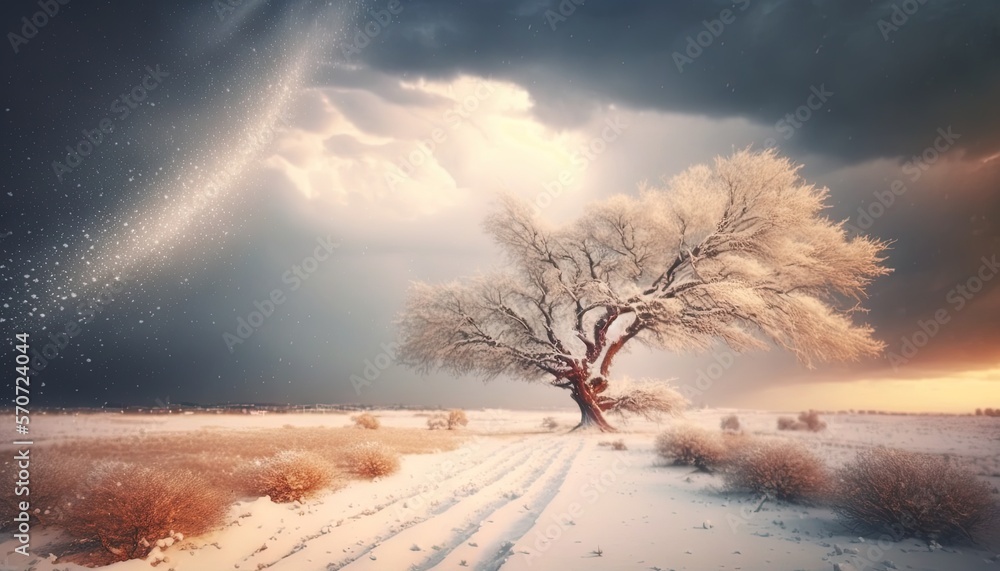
(737, 252)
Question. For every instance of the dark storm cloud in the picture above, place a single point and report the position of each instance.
(892, 82)
(66, 78)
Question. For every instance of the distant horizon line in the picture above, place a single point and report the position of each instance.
(285, 407)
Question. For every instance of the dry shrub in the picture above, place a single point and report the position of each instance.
(807, 421)
(782, 470)
(549, 423)
(437, 422)
(618, 445)
(220, 456)
(53, 481)
(371, 460)
(126, 508)
(906, 494)
(731, 423)
(812, 421)
(787, 423)
(691, 446)
(289, 476)
(457, 418)
(366, 420)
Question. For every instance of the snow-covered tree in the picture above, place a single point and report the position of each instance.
(737, 253)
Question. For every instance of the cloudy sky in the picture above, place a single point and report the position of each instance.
(326, 154)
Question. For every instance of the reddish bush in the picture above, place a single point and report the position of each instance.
(691, 446)
(731, 423)
(812, 421)
(787, 423)
(366, 420)
(782, 470)
(807, 421)
(457, 418)
(372, 459)
(127, 508)
(906, 494)
(289, 476)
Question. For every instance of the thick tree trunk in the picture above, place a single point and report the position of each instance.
(591, 415)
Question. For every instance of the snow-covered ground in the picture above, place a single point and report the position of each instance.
(516, 497)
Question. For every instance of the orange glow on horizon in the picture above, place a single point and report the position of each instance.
(957, 393)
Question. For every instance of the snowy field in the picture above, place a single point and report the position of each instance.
(517, 497)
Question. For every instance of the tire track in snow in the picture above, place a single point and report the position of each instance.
(493, 539)
(355, 536)
(485, 549)
(450, 528)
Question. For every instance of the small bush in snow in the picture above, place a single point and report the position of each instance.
(549, 423)
(457, 418)
(289, 476)
(782, 470)
(618, 445)
(366, 420)
(126, 508)
(906, 494)
(812, 421)
(437, 422)
(372, 459)
(731, 423)
(807, 421)
(691, 446)
(787, 423)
